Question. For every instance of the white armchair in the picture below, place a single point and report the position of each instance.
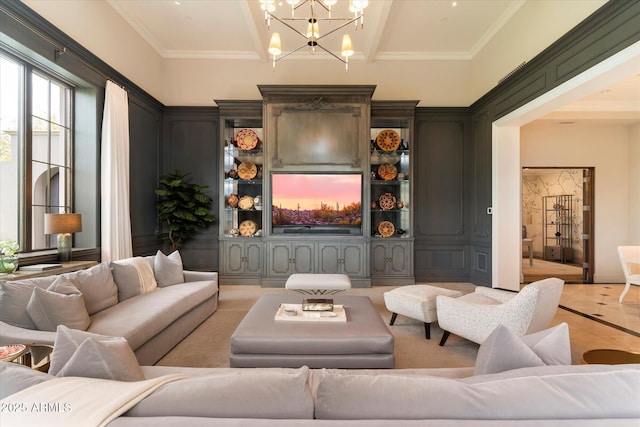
(474, 316)
(630, 260)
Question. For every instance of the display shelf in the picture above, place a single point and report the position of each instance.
(390, 173)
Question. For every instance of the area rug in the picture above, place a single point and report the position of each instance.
(209, 344)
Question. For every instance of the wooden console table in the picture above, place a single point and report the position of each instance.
(66, 267)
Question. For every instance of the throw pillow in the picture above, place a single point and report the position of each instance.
(97, 287)
(503, 350)
(59, 304)
(168, 269)
(133, 276)
(109, 360)
(15, 377)
(67, 342)
(14, 298)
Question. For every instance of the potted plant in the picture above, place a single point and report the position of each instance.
(183, 207)
(8, 256)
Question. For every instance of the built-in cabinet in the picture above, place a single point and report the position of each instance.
(275, 135)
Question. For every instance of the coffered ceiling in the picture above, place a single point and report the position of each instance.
(411, 49)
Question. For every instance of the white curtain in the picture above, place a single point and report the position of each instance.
(115, 218)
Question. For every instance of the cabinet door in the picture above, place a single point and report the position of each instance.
(352, 259)
(329, 258)
(399, 261)
(233, 254)
(253, 257)
(280, 259)
(302, 258)
(379, 258)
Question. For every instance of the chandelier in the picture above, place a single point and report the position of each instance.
(312, 35)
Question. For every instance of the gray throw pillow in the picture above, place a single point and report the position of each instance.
(14, 298)
(503, 350)
(15, 377)
(67, 342)
(97, 287)
(168, 269)
(59, 304)
(133, 276)
(109, 360)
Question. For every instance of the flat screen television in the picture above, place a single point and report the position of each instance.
(323, 203)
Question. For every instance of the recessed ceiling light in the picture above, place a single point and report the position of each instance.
(177, 3)
(454, 3)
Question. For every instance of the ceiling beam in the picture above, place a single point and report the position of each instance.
(259, 38)
(376, 20)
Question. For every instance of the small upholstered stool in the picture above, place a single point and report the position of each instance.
(318, 284)
(417, 302)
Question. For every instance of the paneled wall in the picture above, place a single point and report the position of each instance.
(191, 145)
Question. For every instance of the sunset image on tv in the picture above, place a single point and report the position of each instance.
(316, 199)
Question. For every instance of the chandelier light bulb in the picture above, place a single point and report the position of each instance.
(347, 50)
(313, 31)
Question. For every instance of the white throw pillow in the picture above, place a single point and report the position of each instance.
(59, 304)
(133, 276)
(110, 360)
(168, 269)
(503, 350)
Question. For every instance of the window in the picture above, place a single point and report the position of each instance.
(35, 151)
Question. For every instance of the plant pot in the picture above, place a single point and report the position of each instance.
(8, 264)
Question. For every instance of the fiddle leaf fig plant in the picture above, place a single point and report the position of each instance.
(183, 207)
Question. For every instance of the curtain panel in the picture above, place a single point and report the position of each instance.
(115, 215)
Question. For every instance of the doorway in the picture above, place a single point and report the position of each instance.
(558, 223)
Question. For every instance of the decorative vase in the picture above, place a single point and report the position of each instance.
(8, 264)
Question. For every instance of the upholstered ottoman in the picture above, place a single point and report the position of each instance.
(417, 302)
(318, 284)
(363, 341)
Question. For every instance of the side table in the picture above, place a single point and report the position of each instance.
(610, 357)
(35, 356)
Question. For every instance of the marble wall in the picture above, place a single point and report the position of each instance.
(552, 182)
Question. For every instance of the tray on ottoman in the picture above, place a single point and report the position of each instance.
(363, 341)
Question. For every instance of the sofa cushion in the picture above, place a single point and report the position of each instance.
(133, 276)
(581, 395)
(107, 359)
(59, 304)
(15, 377)
(503, 350)
(250, 393)
(140, 318)
(97, 286)
(168, 269)
(67, 342)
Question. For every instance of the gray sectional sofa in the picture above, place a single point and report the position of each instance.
(118, 303)
(584, 395)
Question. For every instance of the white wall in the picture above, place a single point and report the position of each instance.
(606, 148)
(634, 185)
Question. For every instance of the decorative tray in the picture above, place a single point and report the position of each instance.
(294, 313)
(247, 170)
(248, 228)
(245, 202)
(387, 171)
(386, 229)
(247, 139)
(10, 352)
(388, 140)
(387, 201)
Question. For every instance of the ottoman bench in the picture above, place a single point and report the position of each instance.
(318, 284)
(417, 302)
(363, 341)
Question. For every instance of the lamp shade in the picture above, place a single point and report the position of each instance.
(62, 223)
(347, 47)
(275, 48)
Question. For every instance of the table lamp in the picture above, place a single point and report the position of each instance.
(63, 225)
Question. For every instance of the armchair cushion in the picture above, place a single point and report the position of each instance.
(503, 350)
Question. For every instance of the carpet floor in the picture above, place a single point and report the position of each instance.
(209, 344)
